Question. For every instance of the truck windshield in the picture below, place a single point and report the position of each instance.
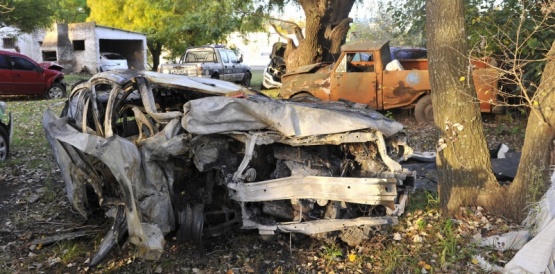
(198, 56)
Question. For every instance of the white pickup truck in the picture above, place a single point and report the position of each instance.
(214, 61)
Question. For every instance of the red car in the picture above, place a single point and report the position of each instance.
(20, 75)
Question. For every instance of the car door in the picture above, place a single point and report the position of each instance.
(227, 66)
(27, 77)
(237, 67)
(354, 79)
(6, 83)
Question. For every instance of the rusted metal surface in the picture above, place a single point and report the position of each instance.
(402, 88)
(359, 76)
(173, 153)
(485, 83)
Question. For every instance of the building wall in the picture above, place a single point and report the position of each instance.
(85, 58)
(28, 44)
(256, 47)
(78, 46)
(130, 45)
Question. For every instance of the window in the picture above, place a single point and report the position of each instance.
(232, 56)
(195, 56)
(9, 43)
(78, 44)
(360, 62)
(4, 62)
(223, 54)
(342, 67)
(49, 56)
(22, 64)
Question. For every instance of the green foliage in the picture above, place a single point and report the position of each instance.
(178, 24)
(516, 33)
(423, 200)
(331, 253)
(383, 27)
(448, 241)
(26, 15)
(70, 11)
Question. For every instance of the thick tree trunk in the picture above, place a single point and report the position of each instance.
(537, 153)
(464, 166)
(327, 23)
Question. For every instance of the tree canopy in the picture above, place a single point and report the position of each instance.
(179, 24)
(496, 29)
(70, 11)
(26, 15)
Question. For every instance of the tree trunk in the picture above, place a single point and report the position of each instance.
(327, 23)
(464, 165)
(537, 153)
(155, 50)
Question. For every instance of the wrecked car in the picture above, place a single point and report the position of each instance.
(275, 69)
(21, 75)
(365, 73)
(200, 156)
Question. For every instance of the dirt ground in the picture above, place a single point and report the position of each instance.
(40, 233)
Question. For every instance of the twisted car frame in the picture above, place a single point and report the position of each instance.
(199, 156)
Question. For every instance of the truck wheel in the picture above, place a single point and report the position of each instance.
(303, 97)
(423, 111)
(56, 91)
(246, 80)
(4, 144)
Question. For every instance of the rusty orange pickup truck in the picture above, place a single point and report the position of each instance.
(367, 73)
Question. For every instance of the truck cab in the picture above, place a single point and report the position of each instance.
(214, 61)
(365, 73)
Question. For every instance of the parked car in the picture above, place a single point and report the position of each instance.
(111, 61)
(20, 75)
(211, 61)
(5, 131)
(201, 156)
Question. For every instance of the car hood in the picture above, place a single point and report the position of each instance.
(308, 68)
(51, 65)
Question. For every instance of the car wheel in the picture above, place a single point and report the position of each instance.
(246, 80)
(423, 111)
(4, 144)
(56, 91)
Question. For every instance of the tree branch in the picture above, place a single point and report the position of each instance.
(296, 28)
(289, 40)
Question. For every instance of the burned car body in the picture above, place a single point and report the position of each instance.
(163, 152)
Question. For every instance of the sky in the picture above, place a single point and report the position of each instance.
(361, 9)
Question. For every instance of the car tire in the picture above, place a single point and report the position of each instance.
(423, 111)
(4, 143)
(56, 91)
(246, 80)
